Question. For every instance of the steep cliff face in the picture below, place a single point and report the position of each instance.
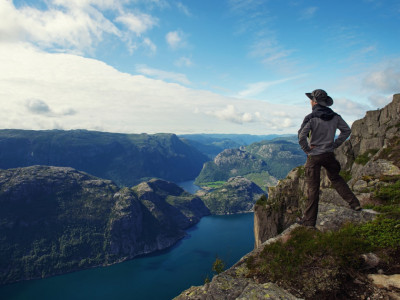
(370, 162)
(375, 178)
(151, 216)
(55, 220)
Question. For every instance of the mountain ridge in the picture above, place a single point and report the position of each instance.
(127, 159)
(56, 220)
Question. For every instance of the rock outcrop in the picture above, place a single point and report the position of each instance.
(55, 220)
(237, 195)
(370, 160)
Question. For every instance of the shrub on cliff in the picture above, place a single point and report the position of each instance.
(312, 263)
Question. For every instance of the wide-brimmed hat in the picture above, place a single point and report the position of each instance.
(321, 97)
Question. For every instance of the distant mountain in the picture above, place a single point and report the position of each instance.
(280, 155)
(55, 220)
(212, 144)
(262, 162)
(127, 159)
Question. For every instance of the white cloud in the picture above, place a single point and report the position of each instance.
(272, 53)
(40, 107)
(184, 62)
(386, 79)
(150, 45)
(308, 13)
(63, 26)
(175, 39)
(74, 92)
(244, 5)
(76, 26)
(183, 8)
(379, 101)
(137, 23)
(37, 106)
(163, 75)
(346, 106)
(257, 88)
(230, 114)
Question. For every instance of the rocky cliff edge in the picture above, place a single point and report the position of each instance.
(370, 163)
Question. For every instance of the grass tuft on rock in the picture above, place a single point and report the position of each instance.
(390, 193)
(263, 200)
(313, 263)
(362, 159)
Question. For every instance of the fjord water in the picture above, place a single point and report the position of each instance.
(163, 275)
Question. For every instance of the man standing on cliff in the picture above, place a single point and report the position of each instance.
(317, 139)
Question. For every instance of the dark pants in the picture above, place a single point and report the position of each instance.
(313, 171)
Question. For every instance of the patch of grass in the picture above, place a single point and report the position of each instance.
(390, 194)
(313, 263)
(214, 184)
(389, 178)
(346, 175)
(262, 201)
(392, 151)
(381, 233)
(263, 179)
(366, 178)
(301, 171)
(392, 126)
(384, 208)
(218, 265)
(362, 159)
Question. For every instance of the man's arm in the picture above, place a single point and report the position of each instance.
(303, 134)
(345, 132)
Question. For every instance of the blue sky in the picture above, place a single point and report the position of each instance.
(191, 66)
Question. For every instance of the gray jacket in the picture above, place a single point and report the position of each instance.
(319, 129)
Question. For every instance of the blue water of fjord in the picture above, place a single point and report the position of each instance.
(160, 276)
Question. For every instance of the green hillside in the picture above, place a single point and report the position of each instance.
(262, 162)
(127, 159)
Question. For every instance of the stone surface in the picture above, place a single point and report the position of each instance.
(333, 217)
(228, 286)
(385, 281)
(371, 260)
